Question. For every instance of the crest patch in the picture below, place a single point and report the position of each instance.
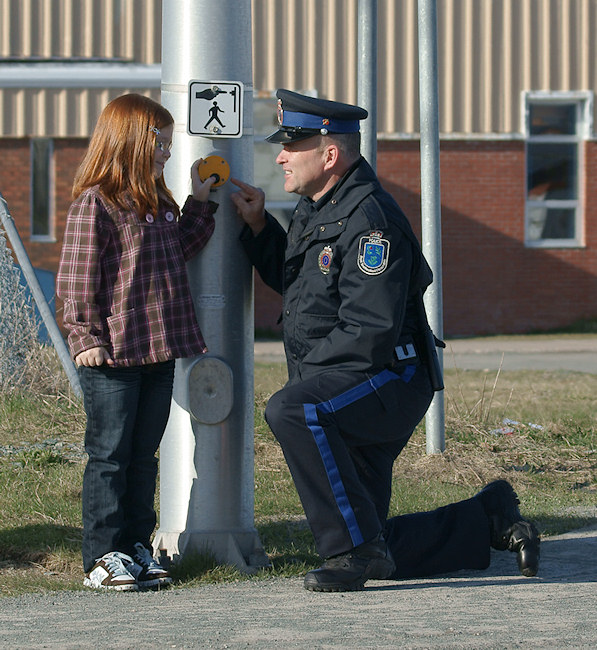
(325, 259)
(374, 252)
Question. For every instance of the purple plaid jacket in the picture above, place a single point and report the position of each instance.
(123, 279)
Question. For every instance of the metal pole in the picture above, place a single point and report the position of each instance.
(367, 77)
(38, 296)
(206, 456)
(430, 200)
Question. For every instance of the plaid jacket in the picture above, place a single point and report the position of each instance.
(123, 279)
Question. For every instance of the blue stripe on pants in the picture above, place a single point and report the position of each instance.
(319, 435)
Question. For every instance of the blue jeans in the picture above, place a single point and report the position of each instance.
(127, 412)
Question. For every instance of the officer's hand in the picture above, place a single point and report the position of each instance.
(200, 189)
(250, 205)
(94, 357)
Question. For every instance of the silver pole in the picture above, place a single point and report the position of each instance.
(206, 456)
(38, 296)
(430, 200)
(367, 77)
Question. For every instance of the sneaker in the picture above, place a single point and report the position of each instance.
(349, 571)
(109, 572)
(508, 529)
(146, 571)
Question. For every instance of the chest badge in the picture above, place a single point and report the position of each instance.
(325, 259)
(374, 252)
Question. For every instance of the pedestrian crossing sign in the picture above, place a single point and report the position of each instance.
(215, 109)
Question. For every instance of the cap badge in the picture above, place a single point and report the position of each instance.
(325, 121)
(325, 259)
(373, 255)
(280, 113)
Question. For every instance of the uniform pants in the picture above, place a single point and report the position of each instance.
(340, 433)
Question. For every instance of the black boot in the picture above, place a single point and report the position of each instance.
(349, 571)
(508, 529)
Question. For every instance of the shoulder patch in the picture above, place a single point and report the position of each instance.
(374, 253)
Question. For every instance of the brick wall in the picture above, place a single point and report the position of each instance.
(15, 173)
(15, 179)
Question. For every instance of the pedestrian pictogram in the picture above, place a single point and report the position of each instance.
(215, 109)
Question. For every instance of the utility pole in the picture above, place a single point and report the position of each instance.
(206, 456)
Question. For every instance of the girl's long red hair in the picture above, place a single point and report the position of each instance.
(121, 153)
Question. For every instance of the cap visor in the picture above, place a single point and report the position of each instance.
(284, 137)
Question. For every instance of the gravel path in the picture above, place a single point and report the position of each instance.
(497, 608)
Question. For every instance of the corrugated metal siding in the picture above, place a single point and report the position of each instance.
(124, 29)
(489, 51)
(54, 112)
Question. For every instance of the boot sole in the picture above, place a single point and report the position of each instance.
(337, 587)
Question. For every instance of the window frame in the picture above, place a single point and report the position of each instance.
(48, 180)
(583, 102)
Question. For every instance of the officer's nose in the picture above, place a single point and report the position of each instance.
(281, 158)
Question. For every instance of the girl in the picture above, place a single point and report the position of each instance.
(129, 314)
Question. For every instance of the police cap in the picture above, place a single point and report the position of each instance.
(301, 117)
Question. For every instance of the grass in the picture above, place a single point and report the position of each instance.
(549, 454)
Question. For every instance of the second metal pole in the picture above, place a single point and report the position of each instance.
(367, 77)
(431, 200)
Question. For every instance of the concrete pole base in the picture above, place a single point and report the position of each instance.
(241, 549)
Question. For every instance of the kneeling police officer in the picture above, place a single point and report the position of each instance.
(361, 362)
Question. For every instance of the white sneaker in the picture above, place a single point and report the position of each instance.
(109, 572)
(145, 569)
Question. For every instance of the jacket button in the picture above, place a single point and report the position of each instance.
(322, 228)
(287, 312)
(149, 218)
(333, 201)
(340, 223)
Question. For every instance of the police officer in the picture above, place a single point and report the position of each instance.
(352, 276)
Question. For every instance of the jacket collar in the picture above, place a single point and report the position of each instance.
(357, 183)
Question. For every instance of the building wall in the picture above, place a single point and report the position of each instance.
(489, 51)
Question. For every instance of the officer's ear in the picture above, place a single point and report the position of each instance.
(331, 156)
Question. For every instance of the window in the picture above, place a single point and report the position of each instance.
(556, 124)
(42, 174)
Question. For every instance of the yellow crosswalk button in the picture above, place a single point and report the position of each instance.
(214, 166)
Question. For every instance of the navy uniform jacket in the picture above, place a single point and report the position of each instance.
(350, 271)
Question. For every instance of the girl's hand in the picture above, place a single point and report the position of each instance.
(94, 357)
(200, 189)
